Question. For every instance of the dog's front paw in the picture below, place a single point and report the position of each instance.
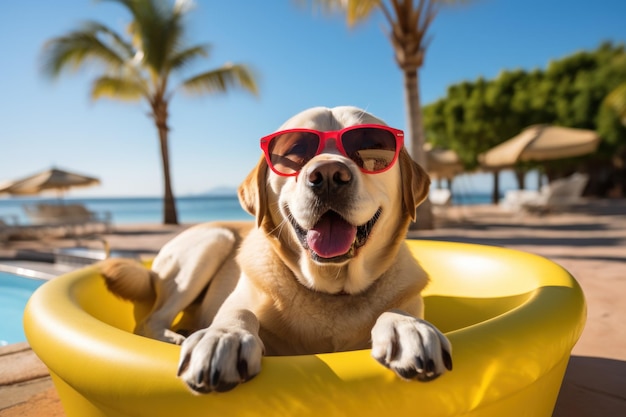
(412, 348)
(217, 360)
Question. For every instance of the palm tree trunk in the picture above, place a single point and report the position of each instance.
(170, 215)
(425, 219)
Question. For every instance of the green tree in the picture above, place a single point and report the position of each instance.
(409, 22)
(139, 65)
(616, 98)
(573, 91)
(617, 101)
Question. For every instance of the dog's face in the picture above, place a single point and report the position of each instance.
(337, 227)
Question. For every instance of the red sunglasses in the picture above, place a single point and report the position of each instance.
(374, 148)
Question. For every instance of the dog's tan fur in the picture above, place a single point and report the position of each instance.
(262, 291)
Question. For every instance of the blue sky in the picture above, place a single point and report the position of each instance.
(302, 59)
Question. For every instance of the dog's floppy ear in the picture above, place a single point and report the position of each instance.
(415, 183)
(252, 193)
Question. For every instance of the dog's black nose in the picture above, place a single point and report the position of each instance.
(328, 177)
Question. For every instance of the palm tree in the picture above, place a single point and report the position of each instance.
(139, 66)
(409, 22)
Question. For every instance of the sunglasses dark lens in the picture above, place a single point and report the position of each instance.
(372, 149)
(289, 152)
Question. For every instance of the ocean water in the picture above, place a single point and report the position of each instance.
(144, 210)
(140, 210)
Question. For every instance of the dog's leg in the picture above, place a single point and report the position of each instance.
(185, 266)
(411, 347)
(229, 351)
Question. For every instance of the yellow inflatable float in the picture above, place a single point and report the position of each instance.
(512, 318)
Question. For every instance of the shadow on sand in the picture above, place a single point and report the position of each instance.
(532, 240)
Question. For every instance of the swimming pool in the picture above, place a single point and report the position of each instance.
(15, 290)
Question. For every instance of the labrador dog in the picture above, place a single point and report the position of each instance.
(323, 268)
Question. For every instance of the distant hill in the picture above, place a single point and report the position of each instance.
(221, 191)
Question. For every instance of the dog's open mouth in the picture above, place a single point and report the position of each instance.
(332, 238)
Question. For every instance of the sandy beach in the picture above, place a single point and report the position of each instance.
(589, 241)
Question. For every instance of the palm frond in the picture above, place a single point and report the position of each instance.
(82, 47)
(180, 59)
(221, 79)
(359, 10)
(355, 10)
(125, 89)
(116, 41)
(157, 30)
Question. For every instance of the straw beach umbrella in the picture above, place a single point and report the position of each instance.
(51, 179)
(538, 143)
(442, 163)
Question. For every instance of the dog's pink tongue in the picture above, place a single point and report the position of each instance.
(331, 236)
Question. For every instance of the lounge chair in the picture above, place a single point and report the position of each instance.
(514, 200)
(12, 229)
(558, 195)
(5, 231)
(440, 198)
(76, 218)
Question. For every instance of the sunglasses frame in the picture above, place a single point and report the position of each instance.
(337, 136)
